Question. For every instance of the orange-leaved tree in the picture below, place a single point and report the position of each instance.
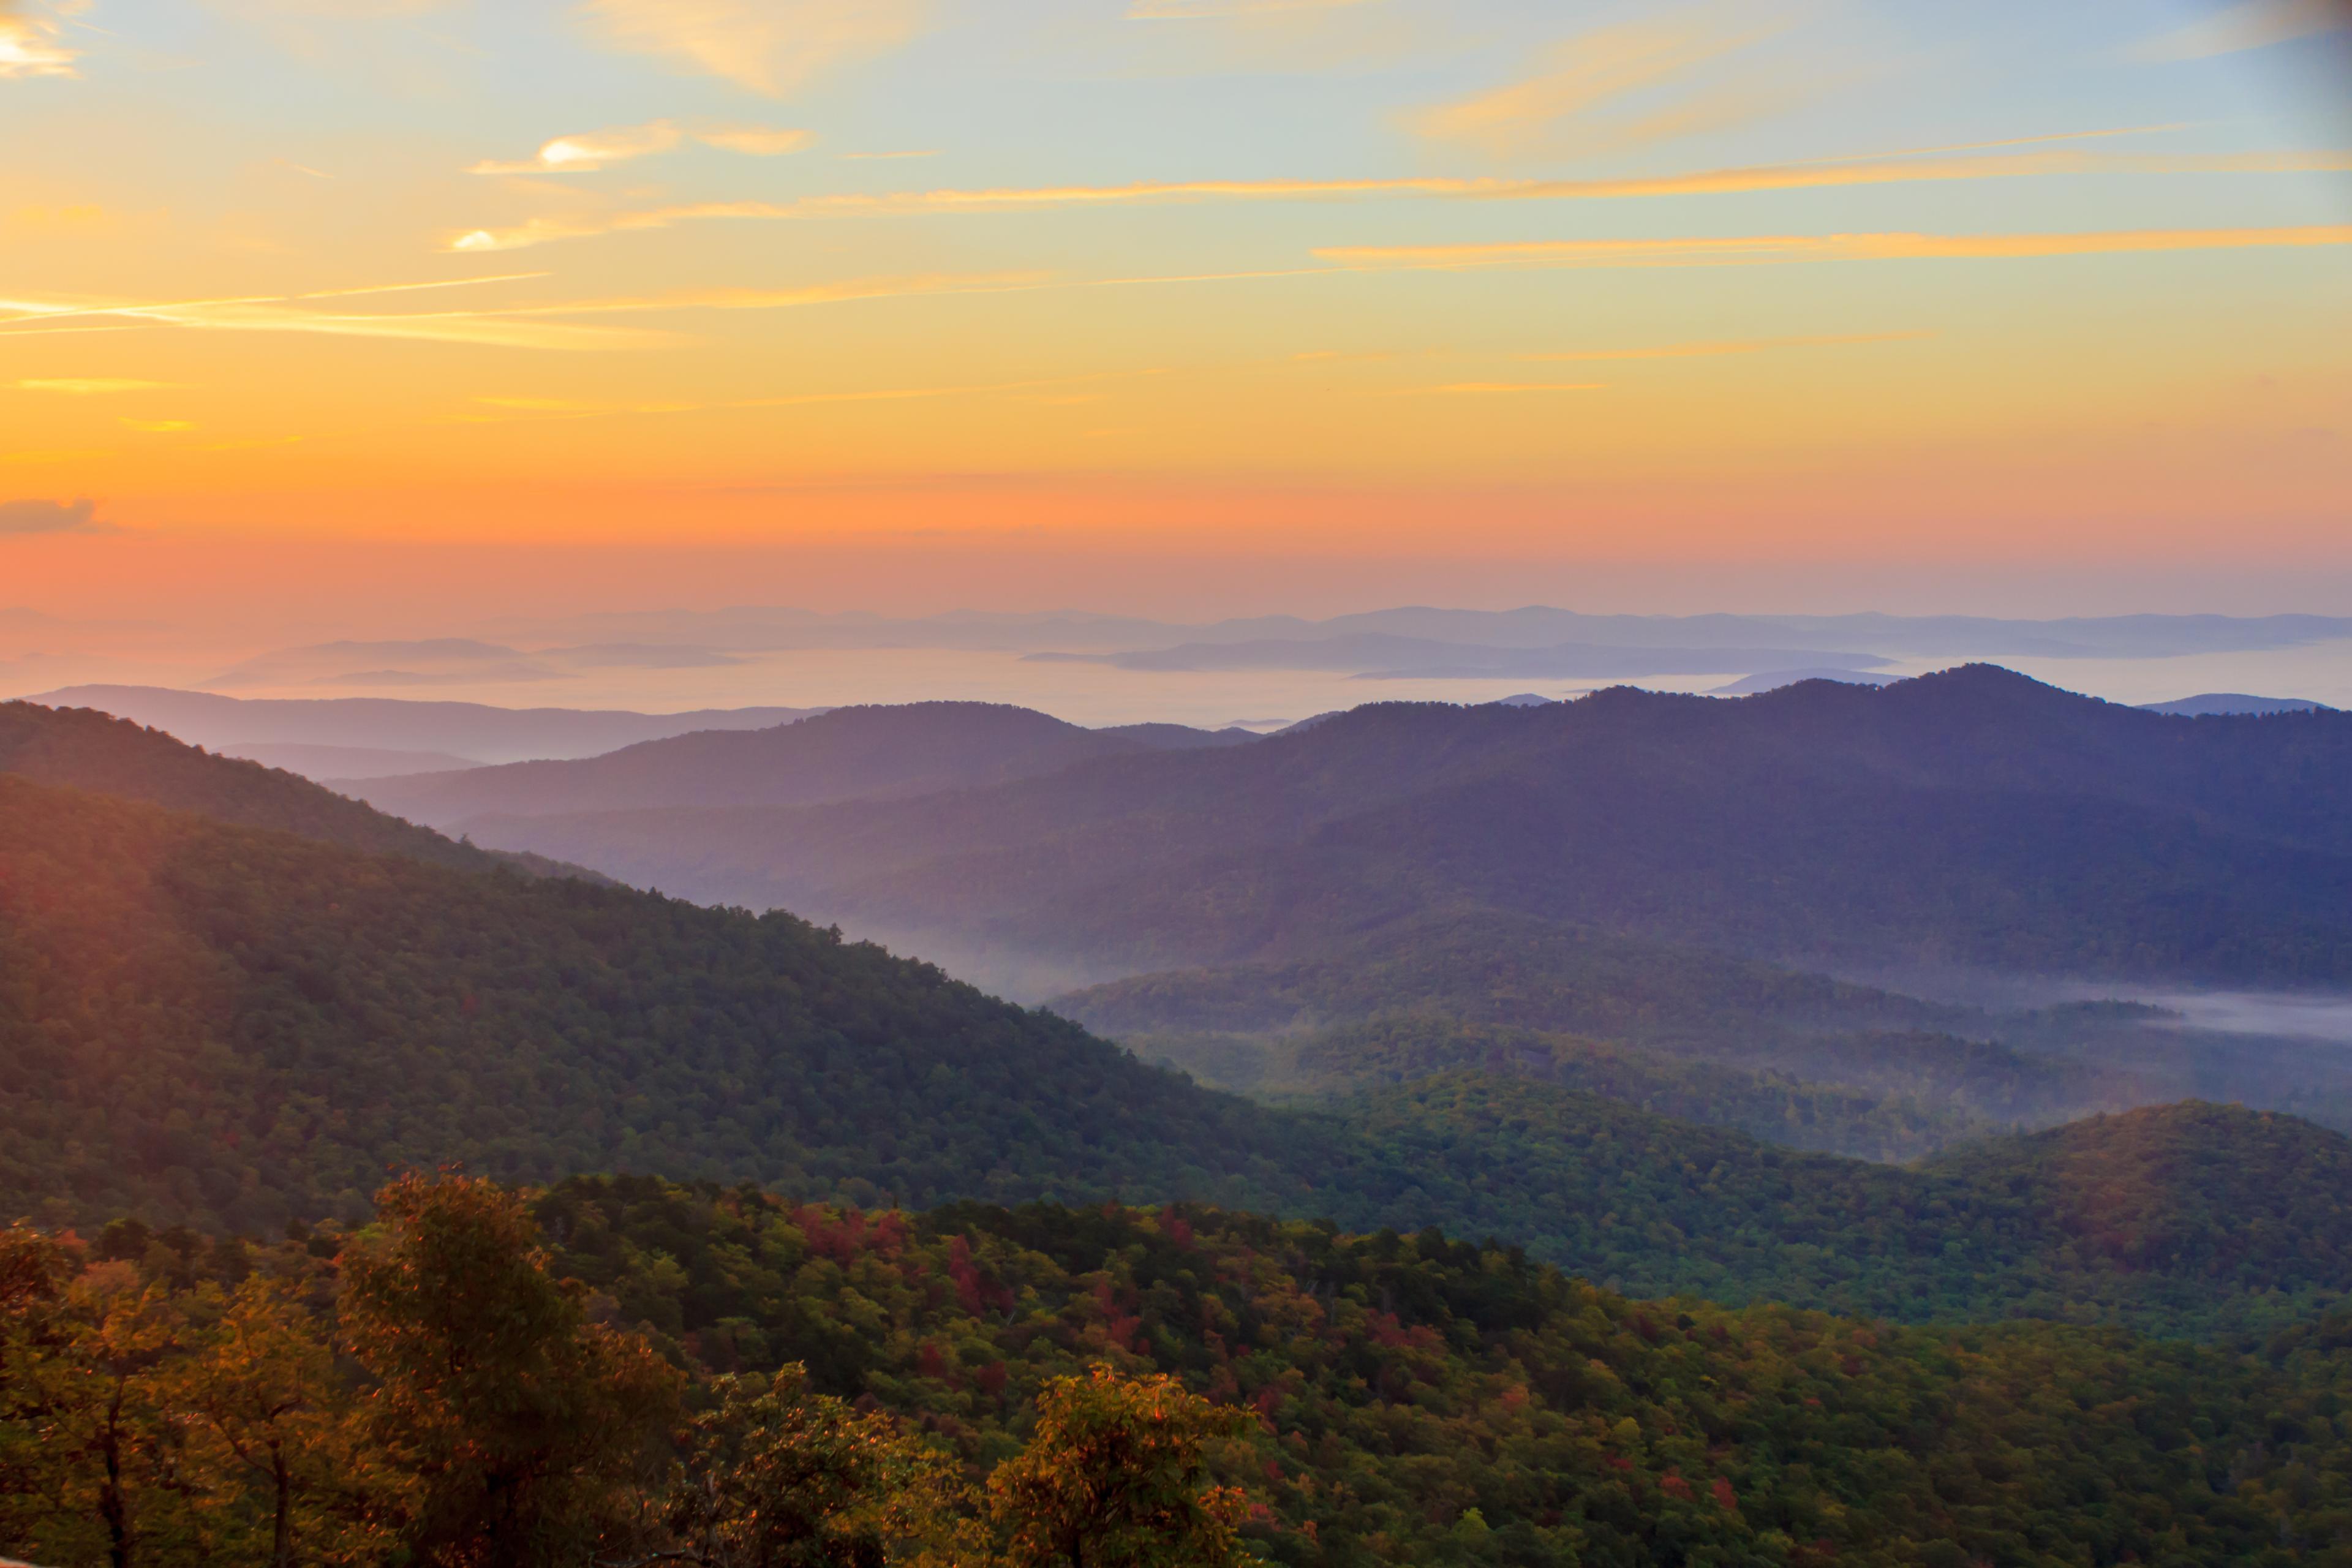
(1116, 1476)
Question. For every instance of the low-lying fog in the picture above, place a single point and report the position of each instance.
(2276, 1013)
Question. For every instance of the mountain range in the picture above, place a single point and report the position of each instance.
(1971, 818)
(218, 1022)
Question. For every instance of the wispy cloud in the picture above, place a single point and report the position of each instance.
(586, 151)
(771, 47)
(1721, 348)
(159, 426)
(31, 39)
(1896, 169)
(25, 517)
(91, 386)
(1763, 250)
(299, 313)
(2248, 24)
(533, 326)
(1597, 70)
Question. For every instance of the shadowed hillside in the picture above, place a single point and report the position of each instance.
(1974, 817)
(848, 753)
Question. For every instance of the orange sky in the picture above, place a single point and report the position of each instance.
(1169, 305)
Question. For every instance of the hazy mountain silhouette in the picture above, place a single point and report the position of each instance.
(847, 752)
(469, 731)
(344, 762)
(1972, 817)
(1773, 680)
(1383, 656)
(2214, 703)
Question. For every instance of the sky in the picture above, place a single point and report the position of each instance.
(323, 317)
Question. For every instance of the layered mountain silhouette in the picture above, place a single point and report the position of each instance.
(848, 753)
(1974, 817)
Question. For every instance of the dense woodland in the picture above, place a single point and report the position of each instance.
(714, 1376)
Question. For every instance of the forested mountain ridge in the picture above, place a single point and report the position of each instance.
(232, 1028)
(1797, 1058)
(1511, 970)
(80, 748)
(846, 753)
(1974, 817)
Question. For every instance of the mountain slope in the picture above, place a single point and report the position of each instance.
(230, 1027)
(238, 1026)
(912, 749)
(86, 749)
(1973, 816)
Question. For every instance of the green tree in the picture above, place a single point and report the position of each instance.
(1116, 1477)
(778, 1477)
(509, 1430)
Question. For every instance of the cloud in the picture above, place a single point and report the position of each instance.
(1760, 250)
(159, 426)
(518, 326)
(589, 151)
(26, 517)
(586, 151)
(1587, 73)
(91, 386)
(29, 44)
(1720, 349)
(2250, 24)
(1896, 169)
(772, 47)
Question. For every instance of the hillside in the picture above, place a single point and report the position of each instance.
(1974, 817)
(85, 749)
(1507, 969)
(874, 752)
(231, 1027)
(1881, 1097)
(1796, 1059)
